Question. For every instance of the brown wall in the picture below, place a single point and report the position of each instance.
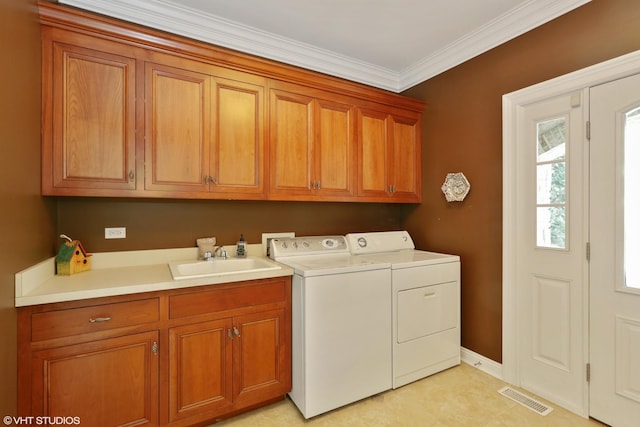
(155, 224)
(462, 131)
(27, 222)
(471, 92)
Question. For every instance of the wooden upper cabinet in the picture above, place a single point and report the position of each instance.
(89, 116)
(312, 146)
(177, 129)
(203, 134)
(405, 171)
(291, 143)
(335, 148)
(373, 154)
(237, 163)
(389, 156)
(133, 112)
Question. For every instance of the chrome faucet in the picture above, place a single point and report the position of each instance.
(220, 252)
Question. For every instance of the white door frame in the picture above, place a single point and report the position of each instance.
(511, 104)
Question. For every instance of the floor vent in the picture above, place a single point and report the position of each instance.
(526, 401)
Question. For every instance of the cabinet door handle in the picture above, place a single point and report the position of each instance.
(99, 319)
(154, 348)
(236, 331)
(229, 333)
(131, 175)
(429, 294)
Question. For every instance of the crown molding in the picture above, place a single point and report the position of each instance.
(517, 21)
(186, 22)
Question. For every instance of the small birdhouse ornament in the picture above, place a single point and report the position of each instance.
(72, 257)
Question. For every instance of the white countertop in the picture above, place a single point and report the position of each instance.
(121, 273)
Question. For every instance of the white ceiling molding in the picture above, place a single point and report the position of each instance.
(516, 22)
(187, 22)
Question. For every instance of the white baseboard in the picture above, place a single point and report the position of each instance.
(478, 361)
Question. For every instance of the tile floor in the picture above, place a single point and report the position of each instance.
(460, 396)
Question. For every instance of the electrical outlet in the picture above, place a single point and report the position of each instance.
(115, 233)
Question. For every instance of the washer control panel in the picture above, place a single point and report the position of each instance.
(310, 245)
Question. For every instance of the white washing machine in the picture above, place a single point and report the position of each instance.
(425, 303)
(341, 323)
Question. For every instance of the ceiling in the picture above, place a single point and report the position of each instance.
(390, 44)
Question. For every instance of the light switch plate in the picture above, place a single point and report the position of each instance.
(268, 236)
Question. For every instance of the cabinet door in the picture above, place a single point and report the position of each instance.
(334, 149)
(109, 382)
(238, 138)
(200, 357)
(389, 157)
(89, 119)
(177, 129)
(373, 154)
(262, 366)
(291, 126)
(405, 170)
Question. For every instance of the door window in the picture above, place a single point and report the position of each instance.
(631, 190)
(551, 183)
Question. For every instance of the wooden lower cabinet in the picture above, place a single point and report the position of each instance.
(214, 365)
(260, 357)
(200, 359)
(176, 363)
(108, 382)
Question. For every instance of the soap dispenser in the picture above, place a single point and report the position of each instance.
(241, 247)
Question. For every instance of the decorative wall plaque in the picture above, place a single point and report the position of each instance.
(456, 187)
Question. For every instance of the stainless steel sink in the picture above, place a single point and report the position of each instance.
(219, 267)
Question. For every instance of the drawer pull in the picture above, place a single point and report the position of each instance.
(99, 319)
(429, 294)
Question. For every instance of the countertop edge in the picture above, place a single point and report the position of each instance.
(31, 283)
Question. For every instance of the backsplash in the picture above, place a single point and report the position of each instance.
(163, 224)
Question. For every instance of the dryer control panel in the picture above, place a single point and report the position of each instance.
(376, 242)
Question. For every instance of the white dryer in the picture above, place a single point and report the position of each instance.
(341, 323)
(425, 303)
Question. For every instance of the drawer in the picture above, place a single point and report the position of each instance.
(82, 320)
(226, 299)
(427, 310)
